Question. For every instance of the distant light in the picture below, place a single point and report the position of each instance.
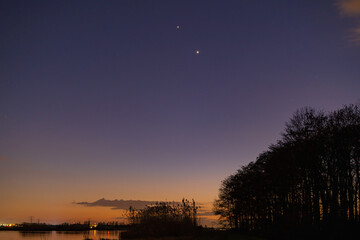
(7, 224)
(178, 27)
(197, 52)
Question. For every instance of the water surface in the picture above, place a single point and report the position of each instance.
(60, 235)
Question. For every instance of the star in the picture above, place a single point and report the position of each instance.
(178, 27)
(197, 52)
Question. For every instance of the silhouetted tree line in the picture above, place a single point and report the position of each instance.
(163, 219)
(309, 179)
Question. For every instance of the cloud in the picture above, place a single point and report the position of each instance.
(351, 8)
(355, 36)
(124, 204)
(116, 204)
(206, 216)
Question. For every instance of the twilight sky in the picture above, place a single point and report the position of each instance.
(108, 99)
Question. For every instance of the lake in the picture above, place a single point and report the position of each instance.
(58, 235)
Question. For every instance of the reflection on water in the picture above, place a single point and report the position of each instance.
(65, 235)
(34, 234)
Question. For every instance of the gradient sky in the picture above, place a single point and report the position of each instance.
(108, 99)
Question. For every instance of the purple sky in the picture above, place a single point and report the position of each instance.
(109, 99)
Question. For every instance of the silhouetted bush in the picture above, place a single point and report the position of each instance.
(163, 219)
